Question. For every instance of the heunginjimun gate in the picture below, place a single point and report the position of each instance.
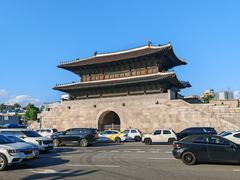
(138, 71)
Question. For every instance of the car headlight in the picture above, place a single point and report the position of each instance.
(39, 142)
(13, 151)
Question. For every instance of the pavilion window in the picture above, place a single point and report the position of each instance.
(149, 70)
(112, 76)
(155, 69)
(101, 77)
(116, 75)
(134, 72)
(107, 76)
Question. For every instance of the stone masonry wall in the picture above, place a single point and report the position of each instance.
(145, 112)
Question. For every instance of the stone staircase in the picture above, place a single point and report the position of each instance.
(222, 113)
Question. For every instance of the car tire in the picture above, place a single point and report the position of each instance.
(3, 162)
(137, 138)
(118, 140)
(83, 143)
(171, 140)
(148, 141)
(56, 143)
(188, 158)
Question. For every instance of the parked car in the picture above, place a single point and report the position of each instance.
(46, 132)
(133, 134)
(206, 148)
(44, 143)
(13, 153)
(34, 147)
(233, 136)
(160, 136)
(13, 125)
(83, 136)
(195, 131)
(112, 135)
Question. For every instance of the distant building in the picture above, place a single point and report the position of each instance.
(6, 118)
(224, 95)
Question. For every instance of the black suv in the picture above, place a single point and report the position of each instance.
(196, 131)
(83, 136)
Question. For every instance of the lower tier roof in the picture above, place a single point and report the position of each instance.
(167, 77)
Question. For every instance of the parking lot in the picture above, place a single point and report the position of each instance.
(117, 161)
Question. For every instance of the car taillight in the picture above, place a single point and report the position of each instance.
(177, 146)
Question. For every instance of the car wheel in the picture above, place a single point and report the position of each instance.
(83, 143)
(3, 162)
(171, 140)
(148, 141)
(188, 158)
(118, 140)
(56, 143)
(137, 138)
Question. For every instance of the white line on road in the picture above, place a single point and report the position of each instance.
(93, 165)
(236, 170)
(140, 151)
(127, 151)
(114, 151)
(168, 152)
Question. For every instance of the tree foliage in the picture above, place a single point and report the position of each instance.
(206, 98)
(31, 112)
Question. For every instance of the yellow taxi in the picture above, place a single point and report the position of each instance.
(113, 135)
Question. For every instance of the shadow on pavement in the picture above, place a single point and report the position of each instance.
(59, 175)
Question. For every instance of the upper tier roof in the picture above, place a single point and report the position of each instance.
(123, 55)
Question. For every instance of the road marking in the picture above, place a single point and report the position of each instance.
(93, 165)
(101, 151)
(161, 158)
(141, 151)
(43, 171)
(236, 170)
(131, 149)
(127, 151)
(168, 152)
(89, 151)
(154, 151)
(114, 151)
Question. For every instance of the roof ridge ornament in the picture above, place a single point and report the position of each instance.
(149, 43)
(95, 53)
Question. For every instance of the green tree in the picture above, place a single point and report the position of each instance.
(207, 97)
(16, 106)
(31, 112)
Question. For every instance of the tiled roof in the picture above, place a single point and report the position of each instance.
(120, 55)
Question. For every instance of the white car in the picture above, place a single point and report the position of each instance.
(133, 134)
(233, 136)
(160, 136)
(34, 146)
(44, 143)
(46, 132)
(13, 153)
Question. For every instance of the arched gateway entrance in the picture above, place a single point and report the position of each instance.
(109, 120)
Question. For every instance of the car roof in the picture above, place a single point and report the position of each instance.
(15, 129)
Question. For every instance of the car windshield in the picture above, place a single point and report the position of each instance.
(15, 139)
(31, 134)
(226, 134)
(5, 140)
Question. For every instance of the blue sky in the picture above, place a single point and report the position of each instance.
(36, 35)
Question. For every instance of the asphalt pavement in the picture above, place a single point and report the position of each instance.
(125, 161)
